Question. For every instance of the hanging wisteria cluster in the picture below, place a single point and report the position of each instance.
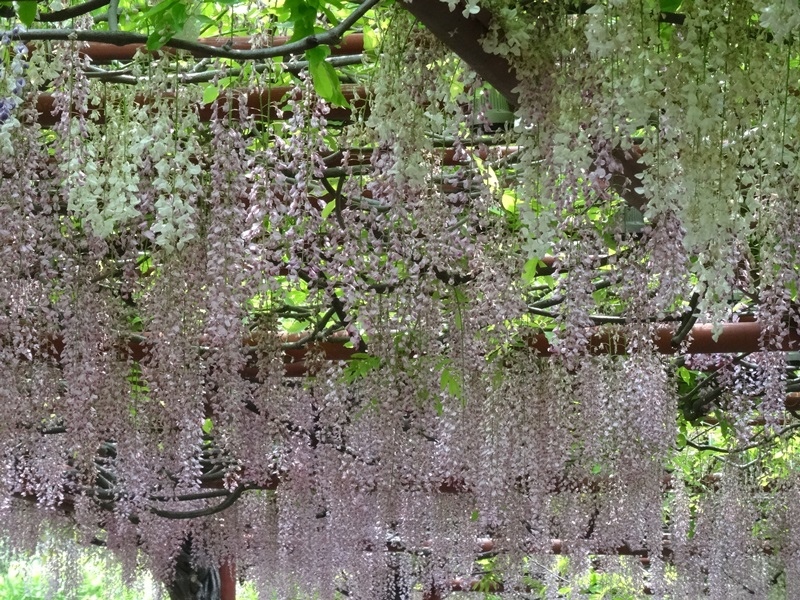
(405, 345)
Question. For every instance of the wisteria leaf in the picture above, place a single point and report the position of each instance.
(210, 93)
(326, 80)
(326, 212)
(26, 11)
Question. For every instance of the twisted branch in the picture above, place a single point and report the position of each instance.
(59, 15)
(124, 75)
(204, 512)
(122, 38)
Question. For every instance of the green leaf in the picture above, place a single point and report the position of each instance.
(293, 325)
(724, 426)
(599, 295)
(178, 15)
(26, 11)
(159, 8)
(326, 212)
(210, 94)
(438, 407)
(360, 365)
(371, 39)
(510, 201)
(669, 6)
(226, 82)
(460, 296)
(145, 264)
(302, 14)
(451, 383)
(324, 76)
(167, 20)
(530, 269)
(208, 425)
(475, 515)
(204, 20)
(157, 39)
(296, 297)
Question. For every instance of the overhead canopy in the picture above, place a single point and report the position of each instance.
(526, 321)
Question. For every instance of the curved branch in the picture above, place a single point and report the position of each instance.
(204, 495)
(124, 76)
(7, 12)
(204, 512)
(689, 319)
(760, 444)
(72, 11)
(548, 302)
(123, 38)
(709, 380)
(113, 15)
(315, 332)
(698, 406)
(336, 194)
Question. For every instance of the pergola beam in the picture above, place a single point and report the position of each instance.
(265, 104)
(105, 52)
(732, 338)
(726, 338)
(463, 35)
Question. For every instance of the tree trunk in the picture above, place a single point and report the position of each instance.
(397, 588)
(192, 582)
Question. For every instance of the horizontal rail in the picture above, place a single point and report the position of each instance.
(733, 338)
(265, 104)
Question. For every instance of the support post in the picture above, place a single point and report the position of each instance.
(227, 576)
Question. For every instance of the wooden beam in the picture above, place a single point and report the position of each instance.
(733, 338)
(265, 104)
(463, 36)
(101, 52)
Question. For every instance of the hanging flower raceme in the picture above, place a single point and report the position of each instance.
(12, 75)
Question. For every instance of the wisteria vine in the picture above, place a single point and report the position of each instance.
(354, 350)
